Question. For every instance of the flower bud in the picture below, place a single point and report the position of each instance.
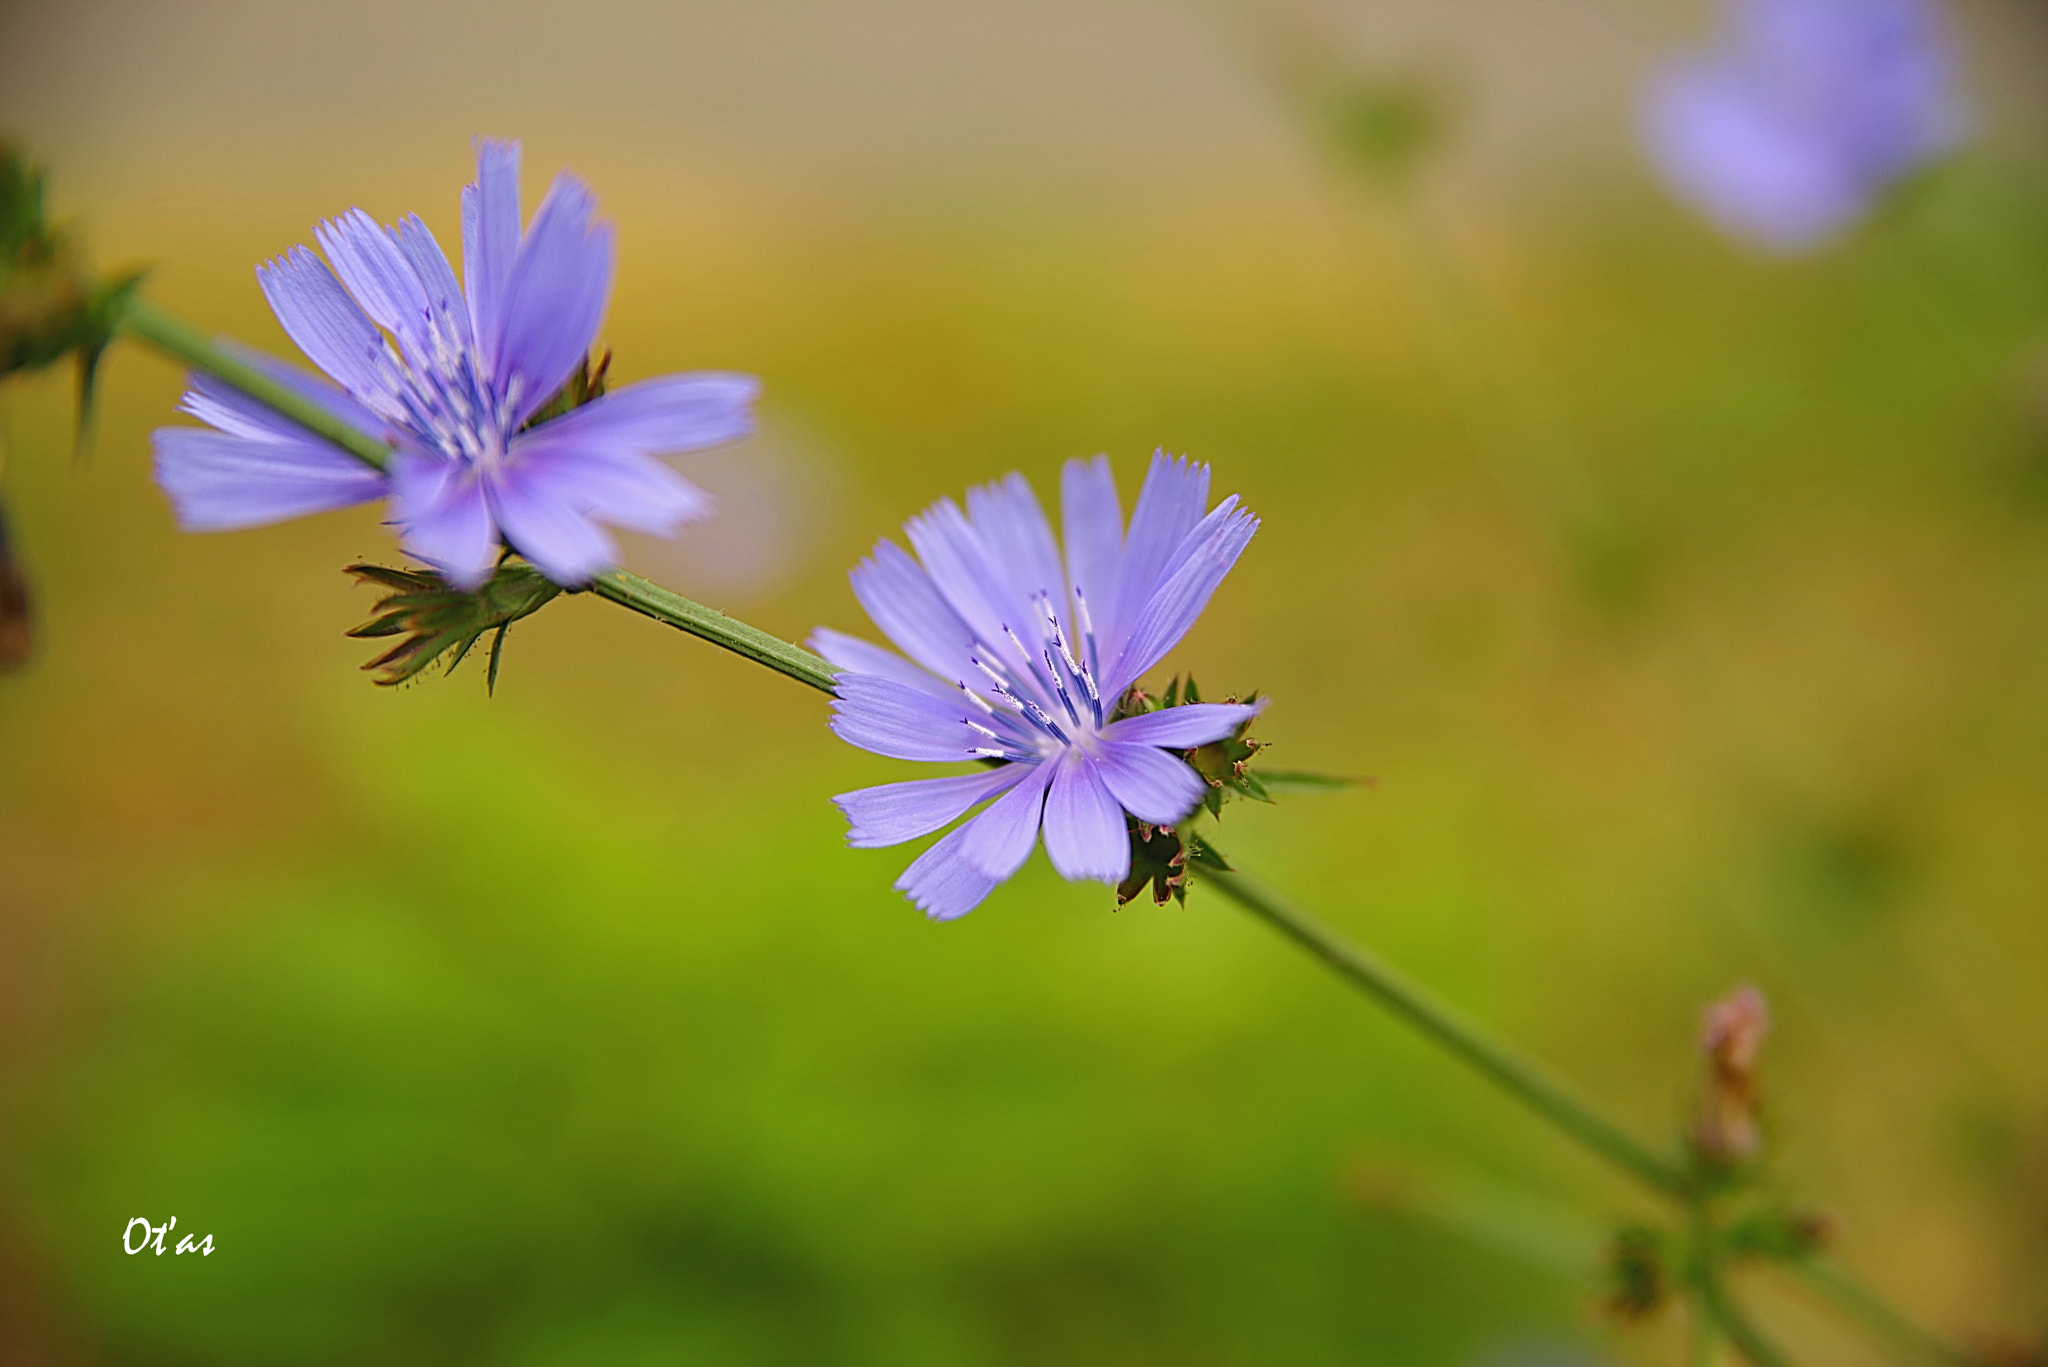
(1725, 1132)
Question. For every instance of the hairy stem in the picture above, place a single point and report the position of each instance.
(1521, 1077)
(672, 609)
(1733, 1323)
(183, 342)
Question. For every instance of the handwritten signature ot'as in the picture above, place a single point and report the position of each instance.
(153, 1236)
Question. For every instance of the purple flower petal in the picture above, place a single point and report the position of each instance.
(218, 481)
(554, 298)
(656, 417)
(861, 657)
(336, 401)
(370, 263)
(896, 812)
(536, 520)
(1151, 784)
(1085, 834)
(941, 883)
(1093, 522)
(1012, 527)
(1206, 556)
(437, 278)
(891, 719)
(1725, 151)
(1169, 507)
(622, 488)
(968, 577)
(900, 598)
(490, 240)
(318, 315)
(442, 517)
(999, 840)
(1183, 728)
(1806, 111)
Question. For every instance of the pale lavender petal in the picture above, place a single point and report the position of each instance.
(221, 482)
(555, 296)
(1000, 839)
(657, 417)
(969, 578)
(1728, 152)
(900, 598)
(1085, 833)
(442, 517)
(536, 517)
(616, 486)
(861, 657)
(318, 315)
(309, 385)
(1152, 785)
(896, 812)
(901, 722)
(437, 278)
(1169, 507)
(490, 239)
(941, 883)
(367, 258)
(1183, 728)
(1012, 526)
(1166, 616)
(1094, 529)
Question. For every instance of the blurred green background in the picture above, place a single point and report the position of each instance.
(1690, 610)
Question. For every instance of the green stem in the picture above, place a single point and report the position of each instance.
(1733, 1323)
(1882, 1323)
(672, 609)
(183, 342)
(1703, 1335)
(1523, 1078)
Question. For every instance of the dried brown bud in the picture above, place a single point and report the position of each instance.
(17, 625)
(1725, 1130)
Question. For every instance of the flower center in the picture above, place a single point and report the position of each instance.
(1049, 695)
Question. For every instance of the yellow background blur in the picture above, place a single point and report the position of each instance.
(1690, 610)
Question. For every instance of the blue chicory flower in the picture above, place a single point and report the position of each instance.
(1020, 661)
(452, 377)
(1804, 115)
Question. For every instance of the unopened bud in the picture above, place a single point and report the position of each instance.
(1725, 1130)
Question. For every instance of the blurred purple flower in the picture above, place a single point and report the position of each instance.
(451, 378)
(1805, 113)
(1021, 661)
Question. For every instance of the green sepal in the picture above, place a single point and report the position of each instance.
(586, 384)
(436, 618)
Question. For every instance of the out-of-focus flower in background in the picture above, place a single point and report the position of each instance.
(500, 435)
(1049, 651)
(1805, 113)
